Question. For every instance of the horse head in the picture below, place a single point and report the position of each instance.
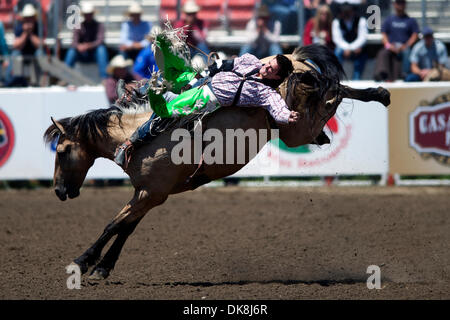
(313, 88)
(72, 160)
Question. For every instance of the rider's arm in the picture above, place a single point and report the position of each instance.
(277, 107)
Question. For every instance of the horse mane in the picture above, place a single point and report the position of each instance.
(90, 126)
(327, 61)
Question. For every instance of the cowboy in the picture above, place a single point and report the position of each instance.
(27, 41)
(242, 82)
(118, 68)
(88, 42)
(428, 59)
(195, 29)
(133, 33)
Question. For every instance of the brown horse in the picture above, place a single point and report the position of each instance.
(82, 139)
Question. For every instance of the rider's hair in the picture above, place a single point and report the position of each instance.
(285, 70)
(285, 65)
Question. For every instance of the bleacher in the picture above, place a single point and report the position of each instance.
(227, 19)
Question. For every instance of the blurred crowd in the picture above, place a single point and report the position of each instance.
(407, 54)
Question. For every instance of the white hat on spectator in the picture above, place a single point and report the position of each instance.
(28, 11)
(135, 8)
(87, 8)
(118, 62)
(191, 7)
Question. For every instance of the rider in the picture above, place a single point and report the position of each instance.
(243, 82)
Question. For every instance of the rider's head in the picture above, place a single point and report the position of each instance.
(276, 70)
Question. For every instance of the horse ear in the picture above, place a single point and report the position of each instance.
(58, 126)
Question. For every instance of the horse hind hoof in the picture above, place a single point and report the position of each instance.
(385, 96)
(99, 274)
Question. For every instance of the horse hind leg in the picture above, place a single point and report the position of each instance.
(126, 221)
(379, 94)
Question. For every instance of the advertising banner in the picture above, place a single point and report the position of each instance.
(24, 117)
(419, 129)
(358, 136)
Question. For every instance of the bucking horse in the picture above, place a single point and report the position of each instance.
(313, 89)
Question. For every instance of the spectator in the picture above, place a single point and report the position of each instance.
(428, 59)
(118, 69)
(350, 36)
(4, 53)
(88, 42)
(195, 29)
(286, 11)
(318, 28)
(399, 33)
(145, 62)
(337, 5)
(263, 35)
(133, 33)
(27, 41)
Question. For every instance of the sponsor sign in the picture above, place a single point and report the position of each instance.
(429, 129)
(7, 138)
(419, 129)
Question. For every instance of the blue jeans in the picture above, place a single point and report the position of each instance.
(99, 55)
(359, 61)
(412, 77)
(14, 54)
(202, 46)
(406, 64)
(274, 49)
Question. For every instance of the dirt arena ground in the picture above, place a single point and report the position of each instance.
(235, 243)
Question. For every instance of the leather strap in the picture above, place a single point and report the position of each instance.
(241, 85)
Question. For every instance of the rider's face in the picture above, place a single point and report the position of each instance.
(270, 70)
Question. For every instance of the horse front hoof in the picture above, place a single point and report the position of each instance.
(84, 267)
(99, 274)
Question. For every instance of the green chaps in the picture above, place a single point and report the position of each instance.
(179, 74)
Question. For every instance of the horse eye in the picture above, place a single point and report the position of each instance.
(65, 151)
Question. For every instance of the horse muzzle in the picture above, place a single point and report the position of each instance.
(62, 193)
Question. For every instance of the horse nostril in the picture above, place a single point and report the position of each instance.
(61, 194)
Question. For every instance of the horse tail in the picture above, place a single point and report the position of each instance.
(324, 58)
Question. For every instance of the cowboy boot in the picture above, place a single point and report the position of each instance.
(142, 135)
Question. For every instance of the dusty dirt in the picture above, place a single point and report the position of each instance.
(235, 243)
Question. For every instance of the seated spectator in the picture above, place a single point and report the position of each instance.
(4, 53)
(399, 33)
(133, 33)
(145, 62)
(195, 29)
(88, 42)
(350, 36)
(318, 28)
(118, 69)
(263, 35)
(286, 11)
(27, 41)
(429, 59)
